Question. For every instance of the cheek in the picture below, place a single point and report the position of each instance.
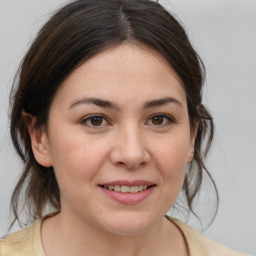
(171, 161)
(76, 161)
(171, 164)
(172, 155)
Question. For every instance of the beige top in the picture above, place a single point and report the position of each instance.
(27, 242)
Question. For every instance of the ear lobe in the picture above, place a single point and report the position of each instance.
(191, 154)
(39, 140)
(192, 142)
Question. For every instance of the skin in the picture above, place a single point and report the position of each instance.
(126, 144)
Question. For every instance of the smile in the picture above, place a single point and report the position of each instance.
(128, 192)
(127, 189)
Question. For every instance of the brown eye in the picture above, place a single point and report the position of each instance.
(157, 120)
(96, 121)
(160, 120)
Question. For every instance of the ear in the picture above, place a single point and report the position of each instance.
(193, 134)
(39, 140)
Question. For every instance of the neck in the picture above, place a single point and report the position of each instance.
(60, 236)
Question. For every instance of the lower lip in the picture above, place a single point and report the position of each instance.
(128, 198)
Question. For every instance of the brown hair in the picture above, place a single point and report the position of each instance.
(74, 34)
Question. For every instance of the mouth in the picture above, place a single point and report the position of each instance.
(128, 192)
(127, 189)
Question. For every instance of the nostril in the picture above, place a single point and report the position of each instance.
(121, 163)
(130, 159)
(132, 166)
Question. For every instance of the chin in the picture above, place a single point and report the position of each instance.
(127, 223)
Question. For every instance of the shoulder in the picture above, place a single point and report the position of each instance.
(24, 242)
(199, 245)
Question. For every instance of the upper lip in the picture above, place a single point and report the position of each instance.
(128, 183)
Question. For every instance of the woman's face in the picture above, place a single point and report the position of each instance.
(119, 122)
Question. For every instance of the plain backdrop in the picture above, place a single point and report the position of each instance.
(224, 34)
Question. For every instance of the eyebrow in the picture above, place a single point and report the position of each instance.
(108, 104)
(96, 101)
(161, 102)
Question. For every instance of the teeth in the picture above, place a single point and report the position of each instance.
(117, 188)
(134, 189)
(126, 189)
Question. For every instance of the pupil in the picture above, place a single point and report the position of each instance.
(96, 121)
(157, 120)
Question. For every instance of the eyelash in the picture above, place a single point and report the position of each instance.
(89, 118)
(170, 120)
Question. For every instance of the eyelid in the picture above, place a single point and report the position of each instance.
(88, 117)
(170, 118)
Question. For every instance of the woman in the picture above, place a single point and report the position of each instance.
(108, 119)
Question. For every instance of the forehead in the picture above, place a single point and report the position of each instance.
(122, 72)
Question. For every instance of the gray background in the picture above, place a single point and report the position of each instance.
(224, 33)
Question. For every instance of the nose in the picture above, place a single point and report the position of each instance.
(129, 149)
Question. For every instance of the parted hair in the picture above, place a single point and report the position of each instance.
(75, 33)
